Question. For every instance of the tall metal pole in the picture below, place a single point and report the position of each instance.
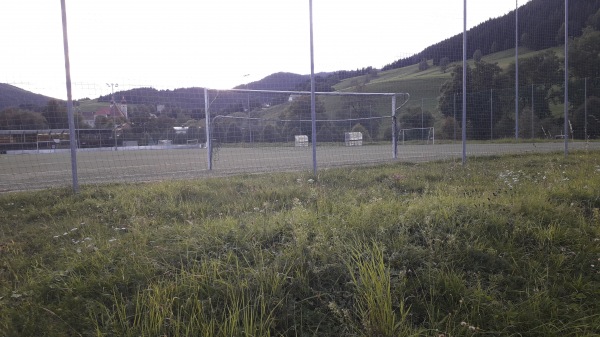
(249, 124)
(112, 91)
(532, 110)
(313, 114)
(422, 120)
(72, 136)
(566, 126)
(516, 69)
(491, 114)
(455, 122)
(585, 110)
(464, 87)
(394, 130)
(208, 132)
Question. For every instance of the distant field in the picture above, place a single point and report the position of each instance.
(43, 170)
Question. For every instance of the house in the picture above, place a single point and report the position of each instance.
(89, 118)
(115, 110)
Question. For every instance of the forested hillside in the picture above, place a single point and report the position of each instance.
(11, 96)
(541, 26)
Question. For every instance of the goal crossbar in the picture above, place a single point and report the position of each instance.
(326, 93)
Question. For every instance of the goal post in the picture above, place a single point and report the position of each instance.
(418, 135)
(245, 118)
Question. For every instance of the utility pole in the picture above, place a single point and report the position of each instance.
(112, 91)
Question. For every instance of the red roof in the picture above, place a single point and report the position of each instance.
(111, 111)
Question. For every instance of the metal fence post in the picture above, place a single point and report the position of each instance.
(394, 131)
(516, 69)
(208, 133)
(585, 110)
(70, 116)
(491, 114)
(464, 87)
(313, 113)
(566, 98)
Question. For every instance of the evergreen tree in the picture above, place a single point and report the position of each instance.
(444, 62)
(477, 55)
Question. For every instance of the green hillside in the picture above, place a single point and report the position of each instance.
(91, 105)
(424, 86)
(11, 96)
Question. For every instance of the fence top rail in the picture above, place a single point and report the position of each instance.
(48, 131)
(330, 93)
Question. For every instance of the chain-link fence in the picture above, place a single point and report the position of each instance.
(137, 133)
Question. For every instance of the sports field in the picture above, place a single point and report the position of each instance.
(43, 170)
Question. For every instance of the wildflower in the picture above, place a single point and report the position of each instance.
(310, 181)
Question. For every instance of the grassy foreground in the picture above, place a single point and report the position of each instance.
(506, 246)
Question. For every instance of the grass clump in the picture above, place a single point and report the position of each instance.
(504, 246)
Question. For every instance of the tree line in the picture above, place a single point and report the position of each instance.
(490, 105)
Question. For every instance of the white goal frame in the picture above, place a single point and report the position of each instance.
(430, 134)
(404, 98)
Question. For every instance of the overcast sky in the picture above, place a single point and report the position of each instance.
(215, 43)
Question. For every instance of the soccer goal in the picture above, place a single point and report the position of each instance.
(270, 127)
(417, 136)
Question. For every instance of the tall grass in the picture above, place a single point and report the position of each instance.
(505, 246)
(374, 301)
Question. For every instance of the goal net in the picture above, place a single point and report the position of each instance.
(254, 128)
(417, 136)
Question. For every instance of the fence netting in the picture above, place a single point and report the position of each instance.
(408, 110)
